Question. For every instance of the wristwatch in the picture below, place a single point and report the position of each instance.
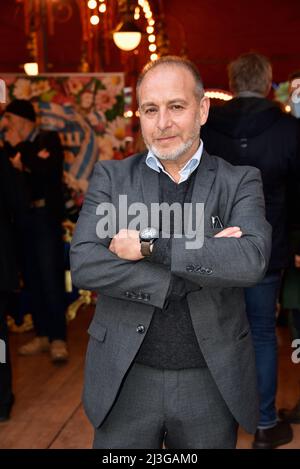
(147, 237)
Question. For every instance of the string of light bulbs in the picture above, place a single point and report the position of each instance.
(218, 94)
(144, 4)
(100, 6)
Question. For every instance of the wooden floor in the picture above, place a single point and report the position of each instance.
(48, 411)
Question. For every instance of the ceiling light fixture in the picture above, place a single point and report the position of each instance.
(127, 35)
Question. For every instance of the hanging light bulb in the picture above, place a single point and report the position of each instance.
(127, 35)
(127, 40)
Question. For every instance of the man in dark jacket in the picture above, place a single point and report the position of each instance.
(291, 288)
(8, 282)
(252, 130)
(37, 158)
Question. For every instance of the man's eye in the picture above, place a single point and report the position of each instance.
(177, 107)
(150, 110)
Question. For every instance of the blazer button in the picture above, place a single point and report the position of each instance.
(140, 329)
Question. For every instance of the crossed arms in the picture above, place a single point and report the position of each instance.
(237, 257)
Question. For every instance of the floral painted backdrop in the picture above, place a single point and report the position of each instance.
(88, 113)
(86, 110)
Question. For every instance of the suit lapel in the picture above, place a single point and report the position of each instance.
(150, 183)
(203, 182)
(204, 179)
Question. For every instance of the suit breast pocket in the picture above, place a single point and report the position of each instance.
(97, 331)
(97, 351)
(211, 232)
(242, 335)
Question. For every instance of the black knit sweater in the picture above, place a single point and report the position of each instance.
(170, 342)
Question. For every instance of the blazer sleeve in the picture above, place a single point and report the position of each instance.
(231, 262)
(95, 267)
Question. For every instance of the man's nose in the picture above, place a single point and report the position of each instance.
(164, 120)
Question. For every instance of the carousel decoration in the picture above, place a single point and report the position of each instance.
(123, 23)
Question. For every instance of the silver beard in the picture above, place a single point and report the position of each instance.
(181, 150)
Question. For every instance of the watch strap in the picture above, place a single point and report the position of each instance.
(145, 248)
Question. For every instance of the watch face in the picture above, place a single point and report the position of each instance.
(148, 233)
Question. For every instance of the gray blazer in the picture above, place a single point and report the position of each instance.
(129, 290)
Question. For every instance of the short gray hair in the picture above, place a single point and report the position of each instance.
(173, 60)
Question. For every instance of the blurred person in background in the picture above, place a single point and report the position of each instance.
(37, 159)
(8, 283)
(252, 130)
(291, 286)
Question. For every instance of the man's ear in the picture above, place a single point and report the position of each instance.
(204, 109)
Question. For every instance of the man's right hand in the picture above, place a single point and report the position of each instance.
(231, 232)
(17, 162)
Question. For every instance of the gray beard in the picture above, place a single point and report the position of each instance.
(178, 152)
(172, 156)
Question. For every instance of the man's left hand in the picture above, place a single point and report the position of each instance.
(126, 245)
(230, 232)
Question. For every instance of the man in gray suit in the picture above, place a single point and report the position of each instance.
(170, 357)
